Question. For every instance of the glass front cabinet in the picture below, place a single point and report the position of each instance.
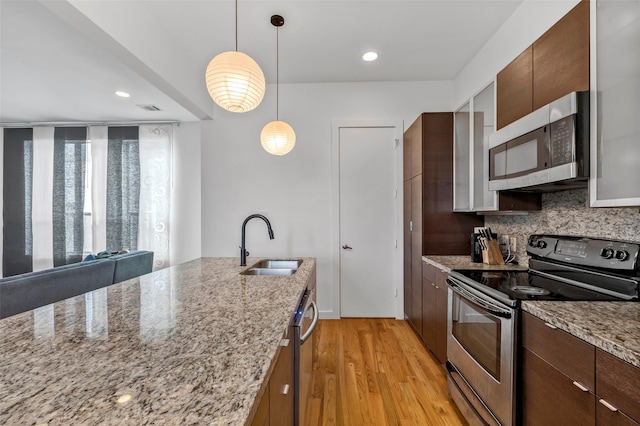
(615, 103)
(474, 122)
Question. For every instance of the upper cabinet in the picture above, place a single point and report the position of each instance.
(515, 89)
(555, 65)
(462, 160)
(474, 122)
(615, 104)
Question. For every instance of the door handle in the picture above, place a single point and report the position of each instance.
(346, 247)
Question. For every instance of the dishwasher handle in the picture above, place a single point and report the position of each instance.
(314, 323)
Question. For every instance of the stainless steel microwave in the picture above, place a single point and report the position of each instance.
(547, 150)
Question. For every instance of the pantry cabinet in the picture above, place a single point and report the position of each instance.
(615, 102)
(430, 225)
(567, 381)
(556, 64)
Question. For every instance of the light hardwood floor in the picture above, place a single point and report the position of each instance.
(376, 372)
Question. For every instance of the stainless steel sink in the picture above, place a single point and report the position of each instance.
(278, 264)
(279, 267)
(269, 271)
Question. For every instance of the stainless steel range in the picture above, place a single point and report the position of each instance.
(484, 314)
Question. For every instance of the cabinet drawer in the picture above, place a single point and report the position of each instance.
(429, 272)
(606, 417)
(550, 397)
(618, 383)
(572, 356)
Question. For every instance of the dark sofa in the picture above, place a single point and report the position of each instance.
(28, 291)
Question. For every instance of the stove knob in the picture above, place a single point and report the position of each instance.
(607, 253)
(622, 255)
(541, 244)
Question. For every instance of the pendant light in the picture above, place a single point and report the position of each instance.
(277, 137)
(234, 80)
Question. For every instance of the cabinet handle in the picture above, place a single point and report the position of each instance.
(285, 389)
(553, 327)
(581, 387)
(606, 404)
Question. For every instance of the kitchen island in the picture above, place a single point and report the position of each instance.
(190, 344)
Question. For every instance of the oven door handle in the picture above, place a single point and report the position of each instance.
(493, 309)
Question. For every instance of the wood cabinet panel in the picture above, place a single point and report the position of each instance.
(606, 417)
(407, 246)
(567, 353)
(550, 398)
(262, 415)
(618, 383)
(429, 272)
(514, 89)
(416, 253)
(281, 390)
(429, 314)
(413, 137)
(441, 323)
(561, 57)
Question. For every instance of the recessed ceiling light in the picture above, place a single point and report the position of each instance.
(122, 94)
(122, 399)
(370, 56)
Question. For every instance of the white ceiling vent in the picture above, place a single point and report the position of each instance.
(149, 107)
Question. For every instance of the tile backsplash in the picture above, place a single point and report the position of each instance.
(568, 213)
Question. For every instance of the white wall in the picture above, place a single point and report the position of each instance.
(524, 26)
(186, 207)
(239, 178)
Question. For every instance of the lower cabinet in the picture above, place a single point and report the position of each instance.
(567, 381)
(434, 310)
(277, 404)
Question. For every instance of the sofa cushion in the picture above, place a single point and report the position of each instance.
(32, 290)
(131, 265)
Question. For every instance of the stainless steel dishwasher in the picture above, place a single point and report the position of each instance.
(304, 323)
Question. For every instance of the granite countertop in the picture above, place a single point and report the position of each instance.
(613, 327)
(190, 344)
(448, 263)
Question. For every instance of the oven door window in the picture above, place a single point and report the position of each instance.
(479, 332)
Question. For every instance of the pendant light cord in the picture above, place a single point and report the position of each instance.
(277, 72)
(236, 25)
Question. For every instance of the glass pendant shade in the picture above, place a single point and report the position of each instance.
(278, 138)
(235, 81)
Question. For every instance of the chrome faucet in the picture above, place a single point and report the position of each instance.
(243, 252)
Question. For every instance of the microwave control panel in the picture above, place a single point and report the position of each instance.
(562, 141)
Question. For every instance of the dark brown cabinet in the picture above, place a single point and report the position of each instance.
(514, 89)
(561, 57)
(277, 403)
(430, 225)
(566, 381)
(434, 310)
(558, 378)
(556, 64)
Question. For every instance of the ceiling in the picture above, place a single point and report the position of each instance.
(62, 61)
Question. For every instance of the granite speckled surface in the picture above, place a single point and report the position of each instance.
(191, 344)
(567, 213)
(447, 263)
(611, 326)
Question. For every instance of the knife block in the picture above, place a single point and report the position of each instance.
(492, 255)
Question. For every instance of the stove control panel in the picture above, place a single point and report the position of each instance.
(584, 251)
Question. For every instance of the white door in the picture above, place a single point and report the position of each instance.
(367, 221)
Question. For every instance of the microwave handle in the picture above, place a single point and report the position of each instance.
(482, 304)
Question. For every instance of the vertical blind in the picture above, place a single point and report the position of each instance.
(18, 162)
(70, 191)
